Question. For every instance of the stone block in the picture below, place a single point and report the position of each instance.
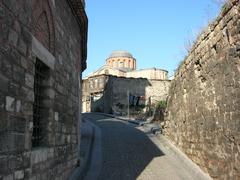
(29, 80)
(10, 104)
(27, 108)
(18, 106)
(30, 125)
(40, 155)
(60, 89)
(4, 83)
(6, 68)
(16, 124)
(42, 53)
(27, 141)
(33, 178)
(19, 174)
(30, 96)
(2, 12)
(12, 142)
(23, 63)
(9, 177)
(4, 165)
(17, 26)
(13, 37)
(56, 117)
(22, 47)
(11, 4)
(50, 93)
(2, 102)
(18, 74)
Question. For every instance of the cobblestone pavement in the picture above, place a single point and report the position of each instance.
(128, 153)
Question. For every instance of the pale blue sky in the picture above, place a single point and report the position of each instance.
(153, 31)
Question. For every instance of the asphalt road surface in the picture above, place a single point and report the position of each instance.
(127, 153)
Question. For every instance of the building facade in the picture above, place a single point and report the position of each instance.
(42, 55)
(114, 95)
(123, 64)
(118, 85)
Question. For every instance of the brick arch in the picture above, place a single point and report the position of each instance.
(43, 24)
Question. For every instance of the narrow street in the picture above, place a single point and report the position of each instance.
(128, 153)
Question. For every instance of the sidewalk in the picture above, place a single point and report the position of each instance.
(173, 154)
(86, 145)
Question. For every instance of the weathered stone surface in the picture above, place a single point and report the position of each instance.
(27, 38)
(204, 99)
(13, 37)
(29, 80)
(22, 47)
(4, 83)
(10, 104)
(19, 174)
(9, 177)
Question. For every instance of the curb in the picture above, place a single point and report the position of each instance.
(140, 123)
(96, 156)
(169, 148)
(80, 171)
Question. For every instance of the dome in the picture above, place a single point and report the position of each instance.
(120, 54)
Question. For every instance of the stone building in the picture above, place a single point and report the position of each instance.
(110, 88)
(203, 117)
(112, 94)
(123, 64)
(42, 55)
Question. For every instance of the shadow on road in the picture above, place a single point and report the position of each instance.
(126, 151)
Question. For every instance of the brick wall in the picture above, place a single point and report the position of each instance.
(48, 31)
(204, 98)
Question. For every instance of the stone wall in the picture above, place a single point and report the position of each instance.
(46, 31)
(203, 113)
(117, 89)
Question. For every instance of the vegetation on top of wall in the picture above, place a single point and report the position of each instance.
(191, 44)
(162, 104)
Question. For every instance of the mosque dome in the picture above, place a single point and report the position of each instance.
(118, 53)
(121, 60)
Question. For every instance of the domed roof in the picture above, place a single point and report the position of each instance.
(120, 54)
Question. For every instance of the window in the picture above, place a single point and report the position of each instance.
(121, 64)
(41, 75)
(91, 84)
(96, 83)
(101, 81)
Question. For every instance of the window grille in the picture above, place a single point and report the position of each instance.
(38, 108)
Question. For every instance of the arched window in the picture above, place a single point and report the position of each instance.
(43, 27)
(114, 63)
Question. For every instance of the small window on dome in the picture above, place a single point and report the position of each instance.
(121, 64)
